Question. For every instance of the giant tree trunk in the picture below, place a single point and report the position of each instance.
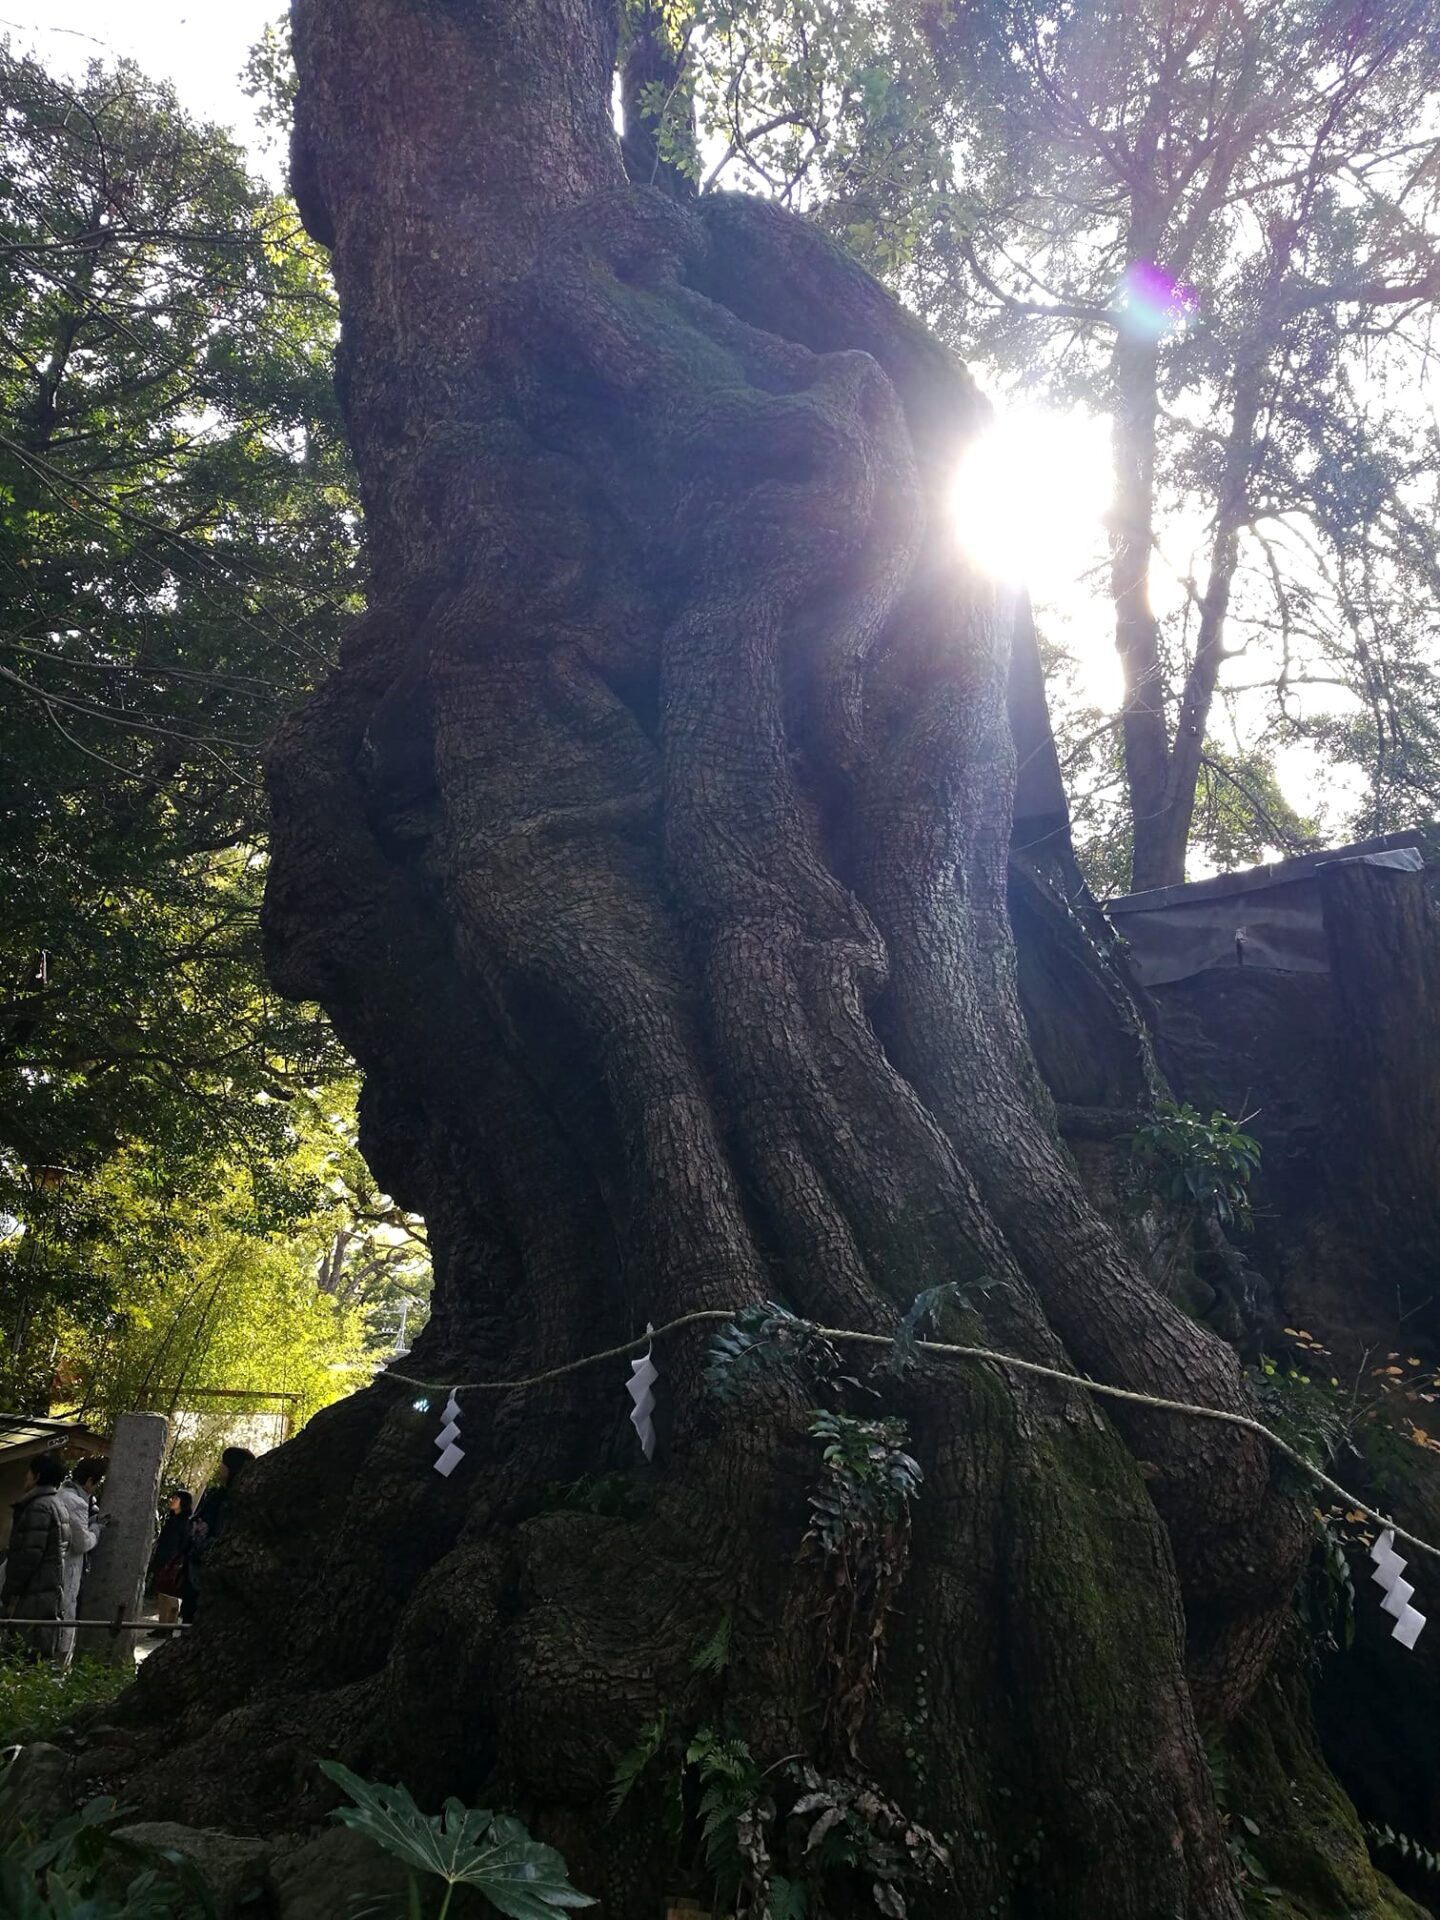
(649, 851)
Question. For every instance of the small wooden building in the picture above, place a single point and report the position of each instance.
(23, 1439)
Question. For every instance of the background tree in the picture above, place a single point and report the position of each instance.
(267, 1289)
(1219, 230)
(376, 1257)
(265, 1298)
(1242, 815)
(223, 1320)
(177, 543)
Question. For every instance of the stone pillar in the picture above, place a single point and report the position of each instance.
(117, 1570)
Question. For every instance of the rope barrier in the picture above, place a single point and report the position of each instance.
(849, 1336)
(110, 1626)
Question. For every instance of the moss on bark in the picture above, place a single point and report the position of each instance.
(1310, 1839)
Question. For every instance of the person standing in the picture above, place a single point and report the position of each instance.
(34, 1583)
(81, 1495)
(90, 1475)
(209, 1523)
(168, 1560)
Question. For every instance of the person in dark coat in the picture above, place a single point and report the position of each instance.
(209, 1523)
(169, 1557)
(34, 1583)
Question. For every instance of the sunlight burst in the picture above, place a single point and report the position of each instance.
(1031, 497)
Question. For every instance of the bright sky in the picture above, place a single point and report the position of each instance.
(200, 45)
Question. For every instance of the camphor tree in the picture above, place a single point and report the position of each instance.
(649, 851)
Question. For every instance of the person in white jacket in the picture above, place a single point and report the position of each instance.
(81, 1497)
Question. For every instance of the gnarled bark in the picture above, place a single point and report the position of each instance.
(650, 852)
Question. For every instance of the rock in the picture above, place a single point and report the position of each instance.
(327, 1877)
(38, 1790)
(233, 1867)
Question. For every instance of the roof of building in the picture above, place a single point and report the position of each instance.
(22, 1434)
(1267, 917)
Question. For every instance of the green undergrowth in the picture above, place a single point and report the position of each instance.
(35, 1701)
(86, 1868)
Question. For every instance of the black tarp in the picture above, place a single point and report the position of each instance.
(1266, 917)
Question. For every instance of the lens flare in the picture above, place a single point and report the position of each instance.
(1152, 303)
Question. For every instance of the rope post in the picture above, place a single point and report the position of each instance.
(116, 1576)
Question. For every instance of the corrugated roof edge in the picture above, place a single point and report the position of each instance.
(1279, 873)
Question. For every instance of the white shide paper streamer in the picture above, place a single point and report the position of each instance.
(641, 1389)
(450, 1454)
(1397, 1592)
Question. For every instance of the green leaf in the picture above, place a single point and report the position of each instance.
(389, 1816)
(922, 1312)
(525, 1879)
(787, 1900)
(462, 1846)
(631, 1765)
(714, 1656)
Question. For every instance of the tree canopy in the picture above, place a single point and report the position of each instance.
(177, 547)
